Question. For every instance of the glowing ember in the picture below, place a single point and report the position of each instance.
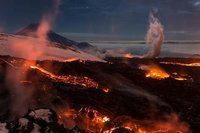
(157, 73)
(70, 60)
(180, 77)
(106, 90)
(74, 80)
(86, 118)
(91, 120)
(196, 64)
(69, 113)
(95, 116)
(128, 55)
(105, 119)
(25, 81)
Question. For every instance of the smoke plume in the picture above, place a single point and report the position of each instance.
(22, 96)
(48, 20)
(155, 37)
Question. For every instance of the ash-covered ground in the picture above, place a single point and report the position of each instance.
(123, 95)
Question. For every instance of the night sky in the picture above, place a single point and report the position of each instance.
(116, 19)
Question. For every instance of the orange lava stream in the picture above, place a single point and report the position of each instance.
(196, 64)
(71, 60)
(89, 119)
(69, 79)
(128, 55)
(157, 73)
(93, 121)
(106, 90)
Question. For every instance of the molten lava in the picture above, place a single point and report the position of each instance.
(92, 120)
(74, 80)
(179, 77)
(128, 55)
(86, 118)
(70, 60)
(106, 89)
(195, 64)
(157, 73)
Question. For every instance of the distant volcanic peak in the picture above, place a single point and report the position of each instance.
(84, 45)
(31, 30)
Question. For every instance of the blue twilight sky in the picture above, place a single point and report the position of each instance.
(106, 19)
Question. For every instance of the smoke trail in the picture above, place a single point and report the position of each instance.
(27, 47)
(48, 20)
(155, 37)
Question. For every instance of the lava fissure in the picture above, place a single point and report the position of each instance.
(74, 80)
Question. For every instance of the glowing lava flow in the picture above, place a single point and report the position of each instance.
(86, 118)
(176, 76)
(154, 72)
(92, 121)
(71, 60)
(157, 74)
(74, 80)
(106, 89)
(128, 55)
(196, 64)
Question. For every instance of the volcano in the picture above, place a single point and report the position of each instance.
(121, 95)
(31, 30)
(36, 49)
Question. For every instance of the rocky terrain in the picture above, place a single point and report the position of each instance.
(120, 95)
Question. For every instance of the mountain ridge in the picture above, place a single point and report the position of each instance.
(52, 36)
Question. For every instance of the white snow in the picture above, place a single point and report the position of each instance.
(3, 128)
(36, 128)
(41, 114)
(23, 122)
(37, 49)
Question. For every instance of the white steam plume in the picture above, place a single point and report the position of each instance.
(48, 20)
(22, 96)
(155, 37)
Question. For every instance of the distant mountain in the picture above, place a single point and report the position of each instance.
(16, 46)
(195, 56)
(31, 30)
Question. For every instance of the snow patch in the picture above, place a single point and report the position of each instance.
(37, 49)
(3, 128)
(36, 128)
(23, 122)
(41, 114)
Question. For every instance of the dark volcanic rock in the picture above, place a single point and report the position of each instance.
(131, 93)
(85, 45)
(43, 121)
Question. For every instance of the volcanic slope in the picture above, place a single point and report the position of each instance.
(122, 91)
(38, 49)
